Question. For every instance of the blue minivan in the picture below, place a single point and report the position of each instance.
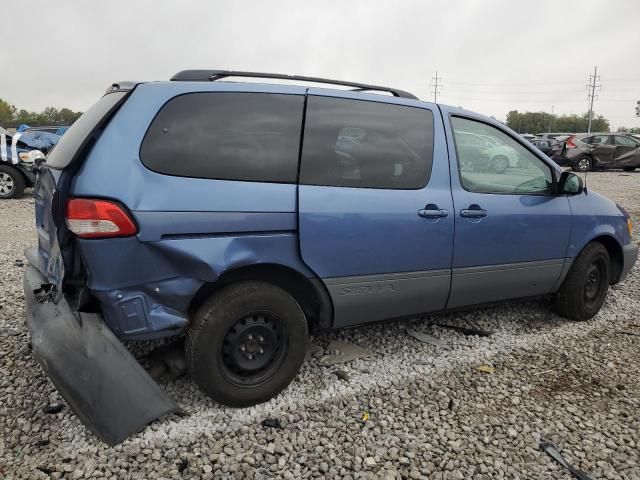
(242, 215)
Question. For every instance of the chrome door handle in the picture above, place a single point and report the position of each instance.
(474, 211)
(432, 211)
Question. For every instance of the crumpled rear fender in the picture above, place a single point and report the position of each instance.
(99, 379)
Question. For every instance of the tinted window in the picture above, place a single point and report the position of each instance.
(501, 165)
(625, 141)
(227, 136)
(354, 143)
(74, 138)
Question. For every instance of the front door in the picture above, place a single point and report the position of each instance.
(512, 231)
(375, 207)
(627, 152)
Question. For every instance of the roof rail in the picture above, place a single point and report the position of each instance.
(213, 75)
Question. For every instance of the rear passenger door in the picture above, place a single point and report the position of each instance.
(602, 150)
(375, 207)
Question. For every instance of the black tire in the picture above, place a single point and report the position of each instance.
(585, 164)
(499, 164)
(585, 288)
(246, 319)
(629, 169)
(12, 183)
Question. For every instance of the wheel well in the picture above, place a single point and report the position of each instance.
(615, 253)
(311, 295)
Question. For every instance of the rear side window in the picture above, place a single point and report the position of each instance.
(625, 141)
(226, 136)
(80, 132)
(356, 143)
(595, 140)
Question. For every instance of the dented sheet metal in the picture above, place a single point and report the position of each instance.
(100, 380)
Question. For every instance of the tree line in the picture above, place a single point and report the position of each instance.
(10, 116)
(540, 122)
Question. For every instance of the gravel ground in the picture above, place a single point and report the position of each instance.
(431, 412)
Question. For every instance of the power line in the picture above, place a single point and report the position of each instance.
(435, 85)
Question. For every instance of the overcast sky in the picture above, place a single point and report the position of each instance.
(494, 56)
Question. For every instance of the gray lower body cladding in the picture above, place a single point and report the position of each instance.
(99, 379)
(370, 298)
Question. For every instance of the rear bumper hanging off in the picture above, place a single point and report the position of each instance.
(100, 380)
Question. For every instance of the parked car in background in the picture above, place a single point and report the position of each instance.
(17, 156)
(554, 135)
(527, 136)
(557, 146)
(496, 156)
(300, 208)
(545, 145)
(583, 152)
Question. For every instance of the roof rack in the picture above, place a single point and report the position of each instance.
(213, 75)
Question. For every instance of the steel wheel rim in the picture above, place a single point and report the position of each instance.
(253, 349)
(583, 164)
(594, 281)
(7, 184)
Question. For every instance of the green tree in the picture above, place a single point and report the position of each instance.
(539, 122)
(7, 112)
(629, 130)
(10, 115)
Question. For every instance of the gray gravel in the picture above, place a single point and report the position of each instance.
(408, 410)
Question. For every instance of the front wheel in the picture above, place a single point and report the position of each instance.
(11, 182)
(584, 289)
(246, 343)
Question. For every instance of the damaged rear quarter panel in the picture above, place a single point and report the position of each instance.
(191, 230)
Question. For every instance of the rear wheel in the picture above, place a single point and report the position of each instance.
(583, 165)
(586, 285)
(499, 163)
(629, 169)
(11, 182)
(246, 343)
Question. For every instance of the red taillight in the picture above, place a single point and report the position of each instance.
(570, 143)
(94, 218)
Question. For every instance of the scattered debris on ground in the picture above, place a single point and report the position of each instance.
(343, 352)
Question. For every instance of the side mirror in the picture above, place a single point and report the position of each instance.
(570, 184)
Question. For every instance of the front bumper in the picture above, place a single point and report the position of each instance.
(100, 380)
(629, 257)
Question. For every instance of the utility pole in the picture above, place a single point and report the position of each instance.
(551, 119)
(437, 83)
(593, 79)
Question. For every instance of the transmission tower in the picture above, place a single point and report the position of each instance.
(591, 87)
(435, 85)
